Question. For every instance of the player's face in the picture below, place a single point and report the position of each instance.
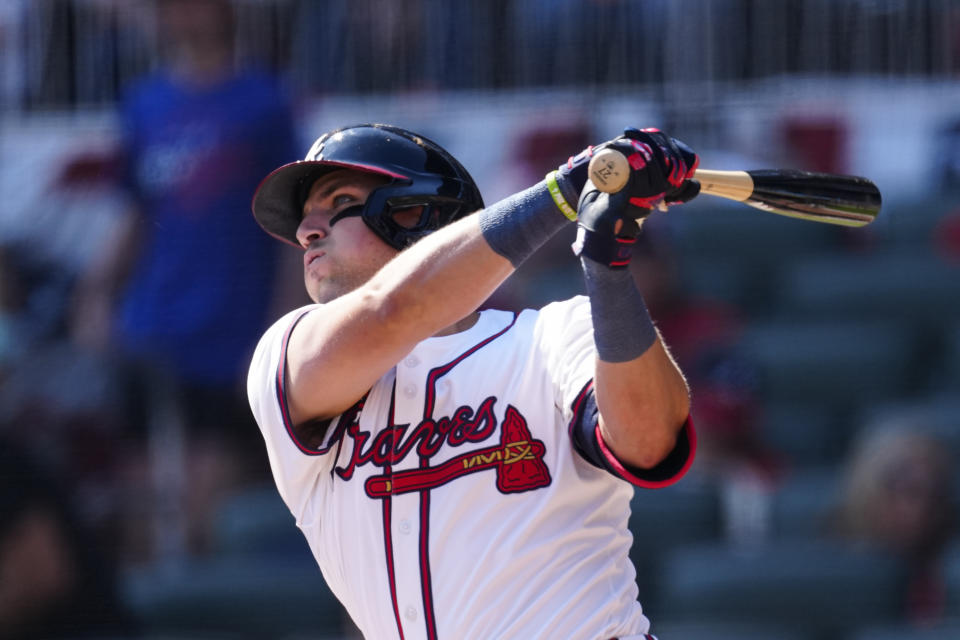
(340, 257)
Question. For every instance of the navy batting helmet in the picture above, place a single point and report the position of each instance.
(421, 174)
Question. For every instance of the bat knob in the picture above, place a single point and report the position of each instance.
(609, 170)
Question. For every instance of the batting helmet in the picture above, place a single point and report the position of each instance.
(421, 174)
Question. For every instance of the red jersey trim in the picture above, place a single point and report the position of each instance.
(281, 391)
(687, 431)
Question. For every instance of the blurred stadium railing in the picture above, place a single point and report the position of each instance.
(66, 53)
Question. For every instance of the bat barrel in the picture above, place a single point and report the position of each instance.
(835, 199)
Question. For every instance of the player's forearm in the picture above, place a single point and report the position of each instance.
(641, 394)
(438, 281)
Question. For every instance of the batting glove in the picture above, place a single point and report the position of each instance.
(607, 227)
(661, 168)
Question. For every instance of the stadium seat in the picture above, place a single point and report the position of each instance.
(731, 252)
(260, 580)
(801, 506)
(816, 587)
(685, 513)
(688, 511)
(910, 225)
(804, 434)
(832, 365)
(938, 414)
(244, 597)
(729, 281)
(918, 288)
(950, 375)
(719, 630)
(949, 630)
(951, 576)
(729, 230)
(256, 521)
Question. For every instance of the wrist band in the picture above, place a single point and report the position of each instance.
(558, 198)
(622, 328)
(519, 225)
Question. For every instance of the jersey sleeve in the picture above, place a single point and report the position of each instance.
(587, 439)
(565, 337)
(294, 464)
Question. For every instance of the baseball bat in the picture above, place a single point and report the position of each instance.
(849, 201)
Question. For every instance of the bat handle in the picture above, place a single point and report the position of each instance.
(735, 185)
(609, 171)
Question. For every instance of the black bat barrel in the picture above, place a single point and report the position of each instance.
(836, 199)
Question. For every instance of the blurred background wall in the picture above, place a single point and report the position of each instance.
(824, 362)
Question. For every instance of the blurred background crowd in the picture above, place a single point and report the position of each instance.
(135, 498)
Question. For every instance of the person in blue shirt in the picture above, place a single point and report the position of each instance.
(186, 287)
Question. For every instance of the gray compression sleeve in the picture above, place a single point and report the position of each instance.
(622, 328)
(519, 225)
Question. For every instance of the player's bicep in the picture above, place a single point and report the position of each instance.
(334, 355)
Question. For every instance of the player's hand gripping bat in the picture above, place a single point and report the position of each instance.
(849, 201)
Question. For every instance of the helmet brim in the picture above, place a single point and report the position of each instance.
(276, 204)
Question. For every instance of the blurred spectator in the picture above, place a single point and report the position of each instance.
(67, 409)
(187, 284)
(899, 496)
(52, 582)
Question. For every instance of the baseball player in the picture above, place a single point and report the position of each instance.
(462, 474)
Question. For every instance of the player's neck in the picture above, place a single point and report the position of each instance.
(461, 325)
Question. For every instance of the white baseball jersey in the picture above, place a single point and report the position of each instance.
(451, 501)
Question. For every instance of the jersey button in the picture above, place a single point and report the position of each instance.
(410, 391)
(404, 526)
(412, 361)
(411, 614)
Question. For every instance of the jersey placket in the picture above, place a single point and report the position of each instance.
(405, 510)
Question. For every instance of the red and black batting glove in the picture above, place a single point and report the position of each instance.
(607, 227)
(661, 171)
(661, 168)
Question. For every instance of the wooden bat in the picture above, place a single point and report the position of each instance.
(850, 201)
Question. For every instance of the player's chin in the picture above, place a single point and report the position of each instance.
(317, 287)
(320, 295)
(323, 289)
